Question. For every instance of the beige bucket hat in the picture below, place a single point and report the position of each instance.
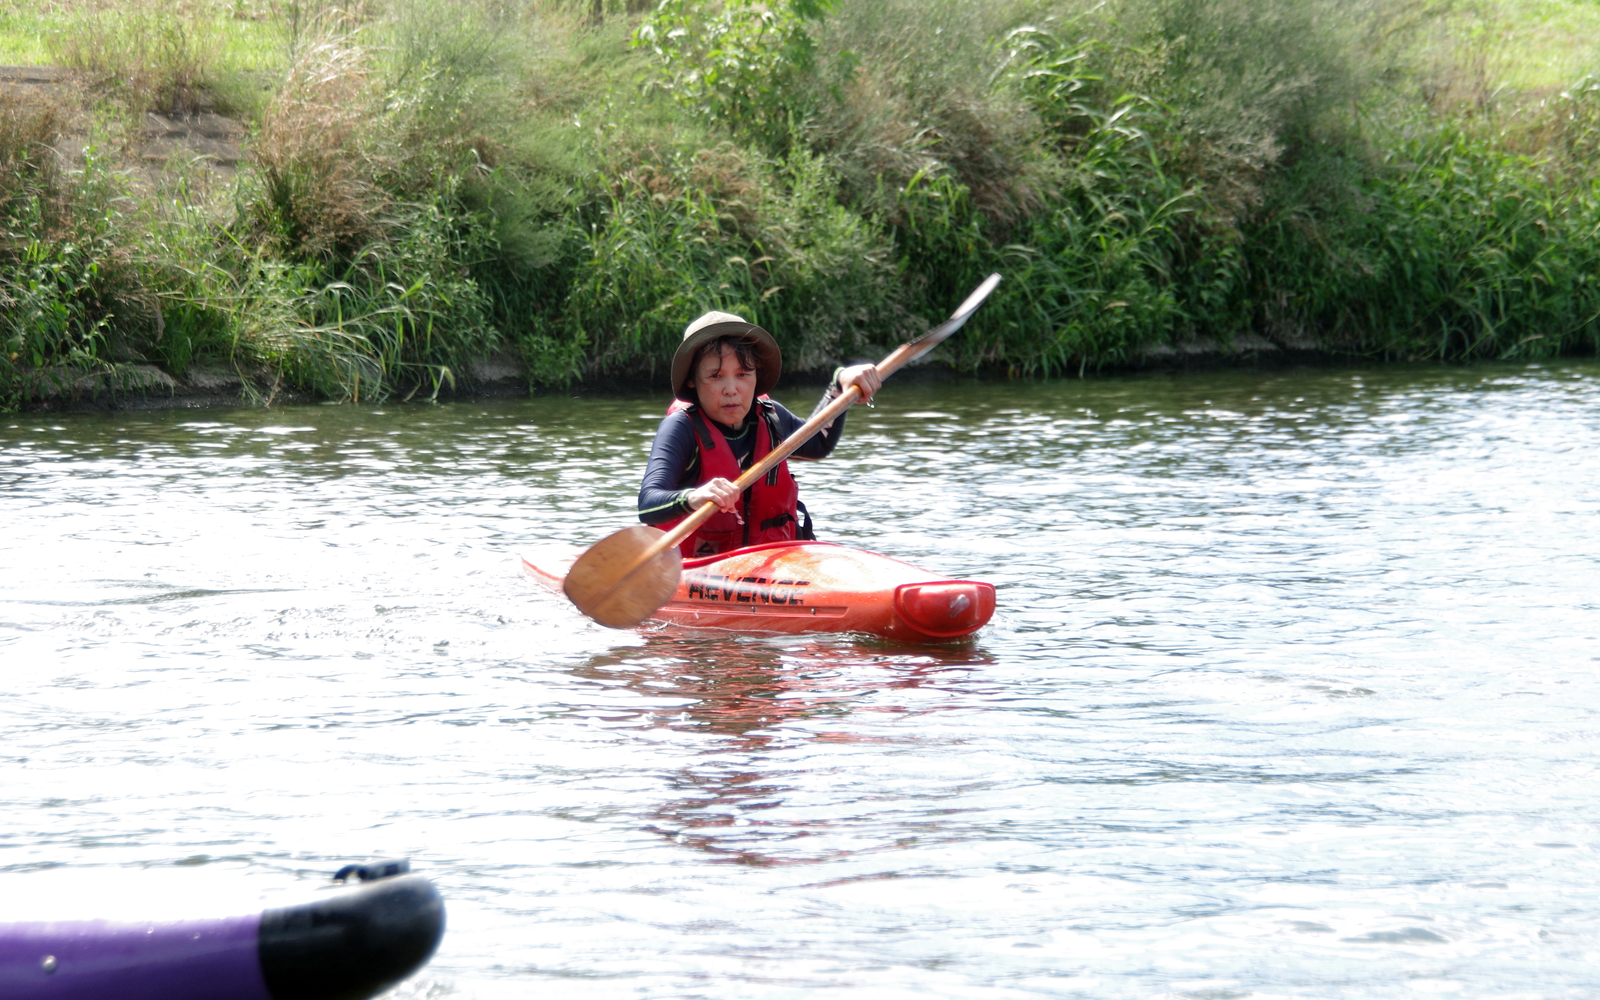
(769, 360)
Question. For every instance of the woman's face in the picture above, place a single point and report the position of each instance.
(724, 387)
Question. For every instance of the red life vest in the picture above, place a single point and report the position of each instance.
(769, 509)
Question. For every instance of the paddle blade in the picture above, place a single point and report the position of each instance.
(610, 584)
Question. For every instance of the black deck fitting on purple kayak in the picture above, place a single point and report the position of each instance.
(353, 944)
(370, 871)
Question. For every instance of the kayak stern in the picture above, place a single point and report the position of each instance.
(946, 609)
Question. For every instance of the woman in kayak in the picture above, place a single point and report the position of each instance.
(721, 424)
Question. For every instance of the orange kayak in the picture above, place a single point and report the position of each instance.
(809, 587)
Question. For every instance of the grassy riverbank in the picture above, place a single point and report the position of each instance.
(436, 180)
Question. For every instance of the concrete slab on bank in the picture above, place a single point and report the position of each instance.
(206, 146)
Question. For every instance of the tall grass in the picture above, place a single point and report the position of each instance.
(156, 54)
(573, 181)
(1454, 250)
(729, 229)
(314, 193)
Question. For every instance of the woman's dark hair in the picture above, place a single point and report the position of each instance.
(742, 345)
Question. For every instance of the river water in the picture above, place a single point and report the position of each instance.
(1291, 692)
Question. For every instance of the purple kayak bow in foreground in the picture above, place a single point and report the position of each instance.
(352, 944)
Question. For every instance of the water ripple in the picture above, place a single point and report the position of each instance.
(1292, 690)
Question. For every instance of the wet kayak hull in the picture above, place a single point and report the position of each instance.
(793, 587)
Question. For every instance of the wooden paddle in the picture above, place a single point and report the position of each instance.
(627, 576)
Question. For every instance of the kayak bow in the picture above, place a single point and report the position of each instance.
(350, 944)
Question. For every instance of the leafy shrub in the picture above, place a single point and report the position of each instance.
(743, 63)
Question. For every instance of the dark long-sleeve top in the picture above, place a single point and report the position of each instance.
(674, 467)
